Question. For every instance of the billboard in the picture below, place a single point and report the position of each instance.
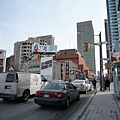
(43, 49)
(2, 53)
(46, 65)
(115, 57)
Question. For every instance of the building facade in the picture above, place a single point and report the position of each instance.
(10, 63)
(85, 33)
(23, 49)
(2, 60)
(107, 36)
(119, 5)
(78, 64)
(113, 16)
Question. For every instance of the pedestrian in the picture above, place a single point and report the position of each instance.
(107, 83)
(94, 84)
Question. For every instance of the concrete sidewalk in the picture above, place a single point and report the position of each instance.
(103, 107)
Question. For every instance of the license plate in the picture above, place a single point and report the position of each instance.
(45, 95)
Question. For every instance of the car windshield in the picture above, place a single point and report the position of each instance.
(54, 86)
(78, 81)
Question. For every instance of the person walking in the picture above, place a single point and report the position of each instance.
(94, 84)
(107, 83)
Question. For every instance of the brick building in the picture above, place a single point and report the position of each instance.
(74, 56)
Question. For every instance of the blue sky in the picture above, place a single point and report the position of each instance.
(21, 19)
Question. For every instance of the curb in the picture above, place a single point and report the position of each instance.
(117, 101)
(87, 105)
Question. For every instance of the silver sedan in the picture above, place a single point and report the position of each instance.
(83, 85)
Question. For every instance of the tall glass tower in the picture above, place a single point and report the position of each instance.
(114, 24)
(85, 33)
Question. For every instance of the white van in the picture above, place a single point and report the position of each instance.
(19, 84)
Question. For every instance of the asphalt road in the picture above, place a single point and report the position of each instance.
(14, 110)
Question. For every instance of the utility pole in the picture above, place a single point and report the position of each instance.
(101, 64)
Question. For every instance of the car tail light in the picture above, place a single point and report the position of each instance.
(82, 85)
(56, 95)
(16, 80)
(59, 95)
(39, 94)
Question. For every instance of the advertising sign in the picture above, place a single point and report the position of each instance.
(1, 62)
(46, 65)
(2, 53)
(49, 49)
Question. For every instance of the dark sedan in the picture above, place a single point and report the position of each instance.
(58, 94)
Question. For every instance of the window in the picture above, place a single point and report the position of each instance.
(71, 86)
(53, 86)
(10, 77)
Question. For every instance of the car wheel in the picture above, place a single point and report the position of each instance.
(5, 99)
(25, 96)
(85, 91)
(78, 96)
(67, 104)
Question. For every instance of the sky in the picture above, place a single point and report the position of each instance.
(21, 19)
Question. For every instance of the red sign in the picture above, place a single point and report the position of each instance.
(1, 62)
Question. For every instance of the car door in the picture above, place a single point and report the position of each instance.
(2, 82)
(73, 91)
(11, 83)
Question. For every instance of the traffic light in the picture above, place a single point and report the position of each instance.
(67, 68)
(28, 63)
(25, 70)
(38, 57)
(85, 47)
(106, 66)
(110, 73)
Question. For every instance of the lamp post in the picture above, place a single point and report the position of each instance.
(101, 63)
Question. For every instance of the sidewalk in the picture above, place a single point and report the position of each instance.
(103, 107)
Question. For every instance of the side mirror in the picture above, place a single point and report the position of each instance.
(43, 79)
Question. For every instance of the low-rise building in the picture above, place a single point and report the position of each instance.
(74, 56)
(10, 63)
(2, 60)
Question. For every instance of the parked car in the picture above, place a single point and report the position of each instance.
(20, 85)
(84, 85)
(57, 93)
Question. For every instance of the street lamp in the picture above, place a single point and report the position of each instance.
(101, 62)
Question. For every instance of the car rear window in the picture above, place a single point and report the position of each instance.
(10, 77)
(54, 86)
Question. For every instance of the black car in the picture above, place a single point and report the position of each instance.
(57, 93)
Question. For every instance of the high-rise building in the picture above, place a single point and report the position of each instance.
(85, 33)
(107, 36)
(119, 5)
(113, 16)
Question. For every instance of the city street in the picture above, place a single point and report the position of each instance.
(29, 111)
